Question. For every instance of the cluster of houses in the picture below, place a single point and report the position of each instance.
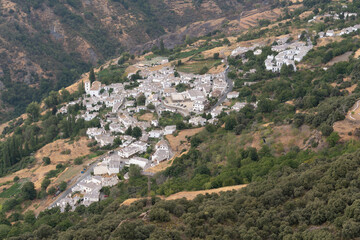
(159, 89)
(333, 15)
(288, 53)
(105, 173)
(86, 191)
(256, 48)
(344, 31)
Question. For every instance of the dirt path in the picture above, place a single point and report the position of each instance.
(349, 124)
(189, 195)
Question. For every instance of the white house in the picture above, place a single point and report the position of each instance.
(197, 121)
(257, 52)
(155, 133)
(101, 169)
(95, 89)
(168, 130)
(232, 95)
(105, 139)
(160, 156)
(330, 33)
(155, 123)
(238, 106)
(141, 162)
(92, 132)
(198, 106)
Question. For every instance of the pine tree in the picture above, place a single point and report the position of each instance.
(92, 77)
(162, 47)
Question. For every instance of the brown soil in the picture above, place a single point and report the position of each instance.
(164, 165)
(147, 117)
(282, 138)
(326, 40)
(190, 195)
(180, 142)
(351, 89)
(357, 53)
(342, 58)
(349, 124)
(37, 171)
(179, 145)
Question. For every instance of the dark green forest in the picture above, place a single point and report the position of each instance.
(316, 200)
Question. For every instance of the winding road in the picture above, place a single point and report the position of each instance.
(357, 106)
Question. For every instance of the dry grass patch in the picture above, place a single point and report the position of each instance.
(54, 150)
(281, 138)
(357, 53)
(180, 143)
(190, 195)
(147, 117)
(342, 58)
(37, 171)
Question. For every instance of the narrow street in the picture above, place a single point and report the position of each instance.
(229, 88)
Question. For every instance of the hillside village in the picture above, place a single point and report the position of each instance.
(160, 93)
(165, 91)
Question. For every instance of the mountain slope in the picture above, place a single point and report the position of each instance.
(48, 44)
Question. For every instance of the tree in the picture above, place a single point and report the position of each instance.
(159, 215)
(46, 160)
(151, 106)
(326, 129)
(29, 217)
(65, 95)
(204, 70)
(253, 154)
(134, 171)
(28, 191)
(44, 231)
(162, 47)
(129, 131)
(33, 111)
(286, 70)
(78, 161)
(52, 191)
(140, 101)
(136, 132)
(328, 56)
(4, 230)
(266, 106)
(117, 141)
(216, 55)
(333, 139)
(16, 178)
(180, 125)
(62, 186)
(230, 123)
(92, 77)
(45, 183)
(52, 100)
(239, 128)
